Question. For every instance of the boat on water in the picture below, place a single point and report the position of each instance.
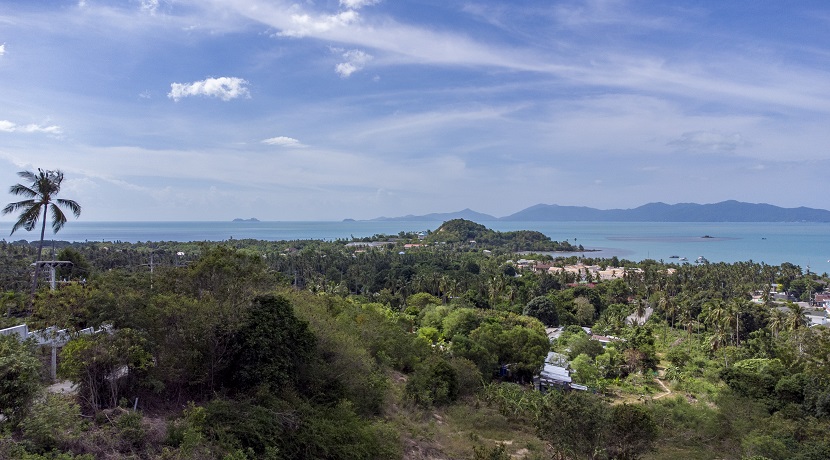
(674, 257)
(701, 260)
(683, 259)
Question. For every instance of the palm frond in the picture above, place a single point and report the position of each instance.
(72, 205)
(29, 175)
(12, 207)
(20, 189)
(58, 219)
(28, 220)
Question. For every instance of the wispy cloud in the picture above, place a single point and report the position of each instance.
(10, 127)
(708, 142)
(355, 61)
(357, 4)
(2, 49)
(284, 141)
(225, 88)
(604, 12)
(149, 6)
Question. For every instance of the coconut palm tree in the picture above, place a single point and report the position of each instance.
(715, 313)
(777, 321)
(736, 307)
(40, 197)
(797, 317)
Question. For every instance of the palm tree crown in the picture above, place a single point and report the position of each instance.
(41, 194)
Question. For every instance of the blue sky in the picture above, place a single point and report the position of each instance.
(325, 110)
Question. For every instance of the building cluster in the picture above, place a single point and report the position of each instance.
(580, 270)
(816, 311)
(556, 372)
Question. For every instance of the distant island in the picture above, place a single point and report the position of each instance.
(252, 219)
(725, 211)
(467, 214)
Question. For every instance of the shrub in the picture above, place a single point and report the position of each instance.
(19, 378)
(434, 382)
(53, 423)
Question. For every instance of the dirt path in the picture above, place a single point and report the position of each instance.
(665, 388)
(64, 386)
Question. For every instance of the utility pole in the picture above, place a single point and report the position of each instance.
(152, 265)
(52, 264)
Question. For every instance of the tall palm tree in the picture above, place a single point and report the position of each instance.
(738, 305)
(777, 321)
(40, 197)
(797, 317)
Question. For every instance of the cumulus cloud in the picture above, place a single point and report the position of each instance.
(283, 141)
(355, 61)
(149, 6)
(357, 4)
(2, 49)
(708, 141)
(304, 24)
(9, 127)
(225, 88)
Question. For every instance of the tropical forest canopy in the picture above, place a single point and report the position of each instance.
(425, 346)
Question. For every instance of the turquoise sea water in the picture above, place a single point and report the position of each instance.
(803, 244)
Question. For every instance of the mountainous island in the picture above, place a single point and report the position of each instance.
(725, 211)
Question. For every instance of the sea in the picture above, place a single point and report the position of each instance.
(803, 243)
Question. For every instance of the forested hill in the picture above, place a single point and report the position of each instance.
(461, 231)
(725, 211)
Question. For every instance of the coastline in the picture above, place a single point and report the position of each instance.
(802, 244)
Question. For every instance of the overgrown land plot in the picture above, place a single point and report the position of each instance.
(444, 345)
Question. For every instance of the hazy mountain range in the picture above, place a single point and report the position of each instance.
(725, 211)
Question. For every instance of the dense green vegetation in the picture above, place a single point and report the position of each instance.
(306, 349)
(460, 231)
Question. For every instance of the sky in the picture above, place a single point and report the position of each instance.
(204, 110)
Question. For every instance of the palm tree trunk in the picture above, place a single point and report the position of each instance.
(737, 329)
(37, 261)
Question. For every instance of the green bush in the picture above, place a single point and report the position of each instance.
(491, 453)
(469, 376)
(53, 423)
(130, 429)
(678, 356)
(19, 377)
(434, 382)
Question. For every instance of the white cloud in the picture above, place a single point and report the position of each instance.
(357, 4)
(283, 141)
(149, 6)
(302, 25)
(355, 61)
(2, 49)
(9, 127)
(225, 88)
